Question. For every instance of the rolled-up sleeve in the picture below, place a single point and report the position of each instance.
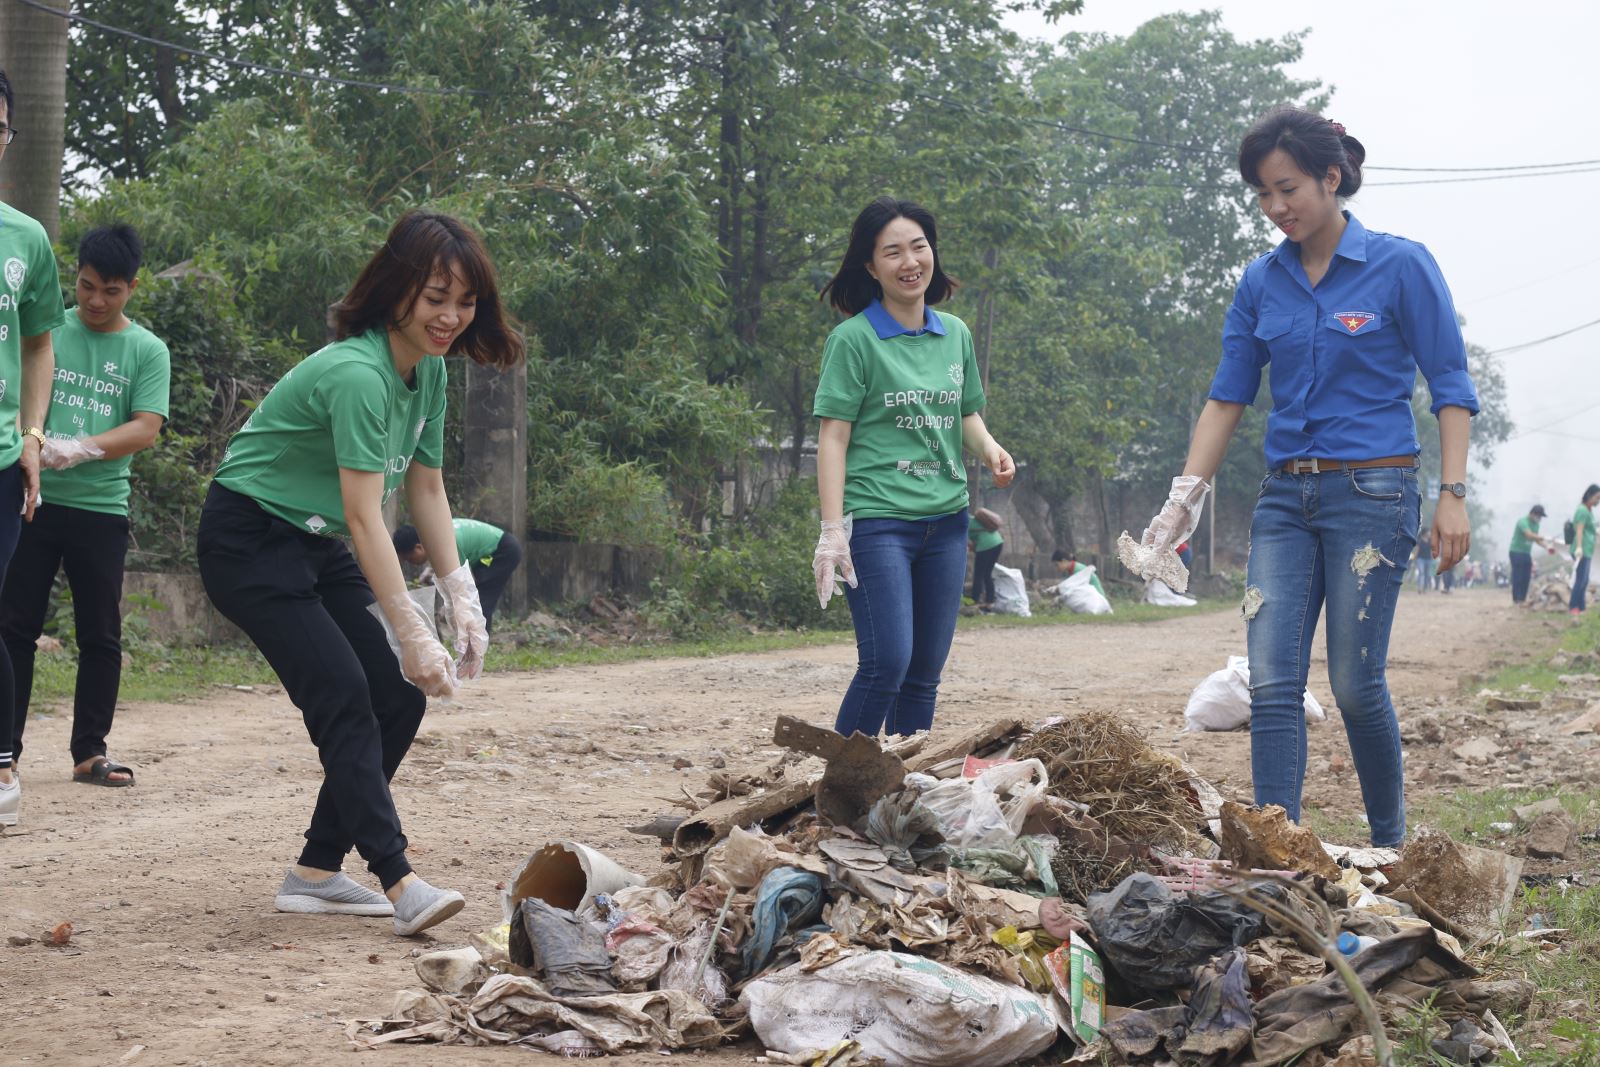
(1433, 333)
(1238, 376)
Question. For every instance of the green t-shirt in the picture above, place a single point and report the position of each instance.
(906, 397)
(476, 541)
(1519, 537)
(102, 379)
(30, 304)
(1585, 516)
(342, 407)
(982, 537)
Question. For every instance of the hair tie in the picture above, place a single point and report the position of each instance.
(1338, 127)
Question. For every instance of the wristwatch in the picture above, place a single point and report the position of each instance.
(1458, 488)
(35, 433)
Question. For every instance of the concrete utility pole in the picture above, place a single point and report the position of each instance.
(33, 53)
(495, 460)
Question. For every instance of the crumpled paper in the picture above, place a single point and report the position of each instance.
(1149, 562)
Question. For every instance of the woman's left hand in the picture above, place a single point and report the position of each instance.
(1451, 535)
(1001, 466)
(472, 632)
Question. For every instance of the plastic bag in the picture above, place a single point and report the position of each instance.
(1222, 700)
(1078, 593)
(1155, 938)
(567, 953)
(909, 1010)
(987, 811)
(1010, 592)
(426, 597)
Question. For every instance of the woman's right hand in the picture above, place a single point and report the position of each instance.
(423, 660)
(831, 562)
(1180, 515)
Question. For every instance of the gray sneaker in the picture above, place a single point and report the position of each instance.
(331, 896)
(11, 800)
(423, 905)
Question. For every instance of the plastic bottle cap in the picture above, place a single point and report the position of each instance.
(1349, 943)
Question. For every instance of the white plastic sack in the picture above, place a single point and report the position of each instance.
(1160, 593)
(909, 1010)
(1222, 701)
(987, 811)
(1010, 592)
(1078, 593)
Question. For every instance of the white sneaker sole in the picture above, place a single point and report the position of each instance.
(301, 904)
(436, 913)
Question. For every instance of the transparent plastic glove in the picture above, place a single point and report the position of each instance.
(59, 453)
(832, 564)
(466, 612)
(423, 660)
(1180, 516)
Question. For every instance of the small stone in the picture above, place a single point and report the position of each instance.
(455, 861)
(374, 958)
(1337, 764)
(1552, 836)
(1499, 703)
(682, 764)
(1477, 750)
(271, 998)
(20, 940)
(1527, 813)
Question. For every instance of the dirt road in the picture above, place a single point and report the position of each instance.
(169, 885)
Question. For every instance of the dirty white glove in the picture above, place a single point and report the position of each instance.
(466, 612)
(423, 660)
(831, 563)
(59, 453)
(1179, 516)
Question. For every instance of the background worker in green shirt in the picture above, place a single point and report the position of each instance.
(1582, 549)
(344, 429)
(1523, 538)
(110, 400)
(898, 397)
(983, 533)
(492, 553)
(30, 307)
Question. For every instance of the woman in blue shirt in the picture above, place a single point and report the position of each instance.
(1344, 318)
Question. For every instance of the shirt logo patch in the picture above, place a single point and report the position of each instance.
(316, 524)
(957, 373)
(16, 271)
(1354, 320)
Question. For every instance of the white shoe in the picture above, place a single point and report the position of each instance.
(10, 801)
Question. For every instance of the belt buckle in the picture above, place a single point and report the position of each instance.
(1304, 466)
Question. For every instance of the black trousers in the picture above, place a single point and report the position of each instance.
(304, 602)
(491, 578)
(983, 574)
(92, 547)
(10, 528)
(1521, 574)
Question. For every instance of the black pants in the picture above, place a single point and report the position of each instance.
(10, 528)
(304, 602)
(1521, 573)
(491, 578)
(983, 574)
(92, 547)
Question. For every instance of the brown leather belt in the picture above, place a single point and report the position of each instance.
(1323, 466)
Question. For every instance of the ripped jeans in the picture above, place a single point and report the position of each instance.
(1340, 538)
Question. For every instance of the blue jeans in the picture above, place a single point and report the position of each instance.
(1580, 585)
(904, 607)
(1340, 538)
(1424, 566)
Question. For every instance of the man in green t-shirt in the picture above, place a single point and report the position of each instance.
(1523, 538)
(492, 553)
(983, 534)
(110, 399)
(30, 307)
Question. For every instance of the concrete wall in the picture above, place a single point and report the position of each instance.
(562, 572)
(181, 613)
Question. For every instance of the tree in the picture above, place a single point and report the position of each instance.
(33, 53)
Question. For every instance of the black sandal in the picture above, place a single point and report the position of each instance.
(100, 772)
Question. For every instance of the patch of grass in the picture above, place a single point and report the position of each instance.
(1468, 813)
(1338, 829)
(1580, 638)
(542, 657)
(1123, 611)
(158, 673)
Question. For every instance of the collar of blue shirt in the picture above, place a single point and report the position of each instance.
(1352, 245)
(886, 326)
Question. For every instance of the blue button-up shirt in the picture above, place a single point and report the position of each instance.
(886, 325)
(1345, 354)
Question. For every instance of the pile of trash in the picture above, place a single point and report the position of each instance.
(1013, 893)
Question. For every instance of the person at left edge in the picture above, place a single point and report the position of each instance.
(311, 468)
(30, 307)
(492, 553)
(899, 395)
(112, 382)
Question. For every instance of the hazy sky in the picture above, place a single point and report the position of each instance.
(1466, 83)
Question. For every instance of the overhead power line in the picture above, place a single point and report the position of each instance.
(1544, 340)
(245, 64)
